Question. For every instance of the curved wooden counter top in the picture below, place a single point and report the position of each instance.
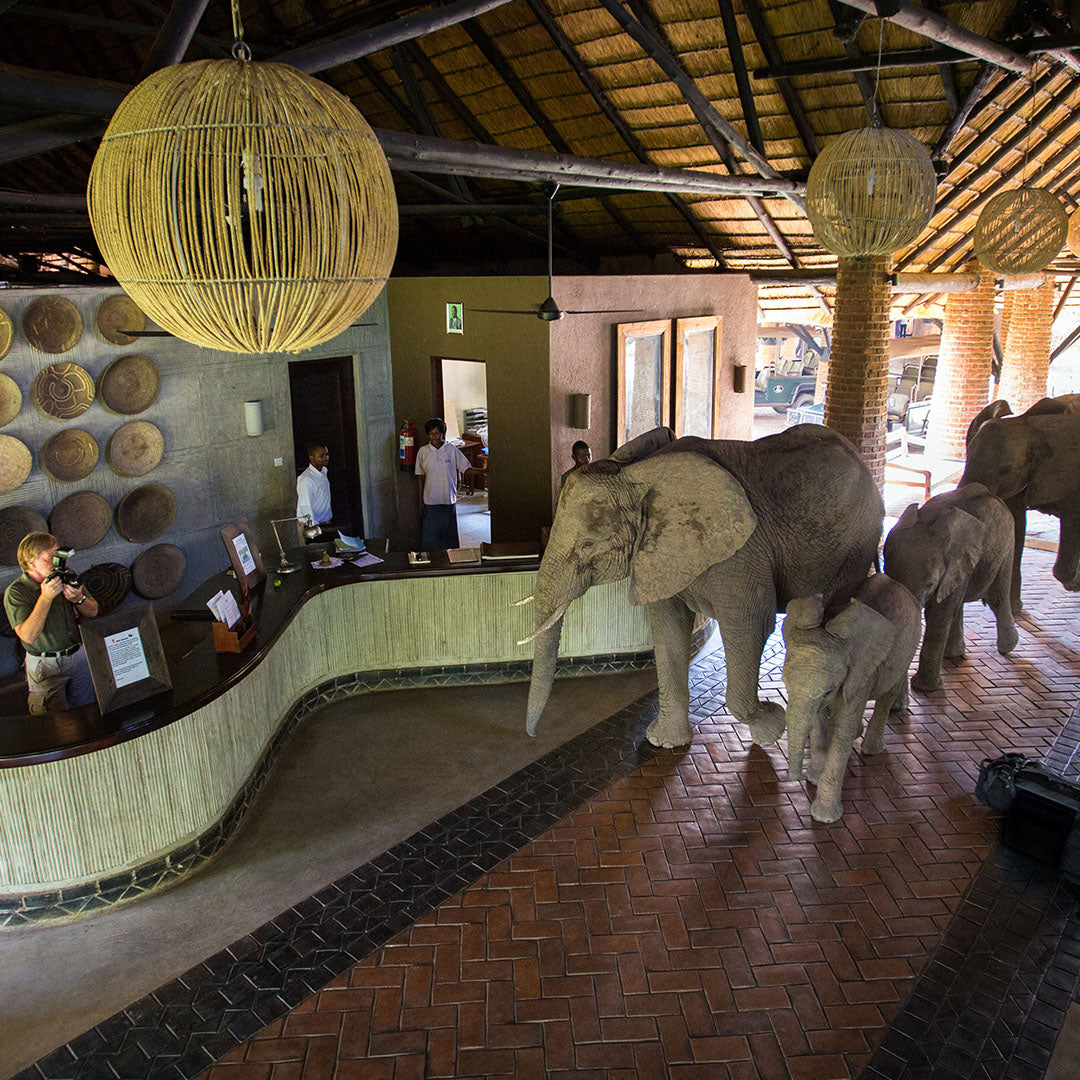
(86, 798)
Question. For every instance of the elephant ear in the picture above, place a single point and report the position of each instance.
(961, 537)
(643, 445)
(694, 513)
(869, 638)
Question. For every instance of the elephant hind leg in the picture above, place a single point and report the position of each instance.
(744, 642)
(997, 599)
(955, 647)
(1067, 563)
(874, 740)
(672, 625)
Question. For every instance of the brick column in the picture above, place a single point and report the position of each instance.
(962, 382)
(859, 363)
(822, 380)
(1026, 329)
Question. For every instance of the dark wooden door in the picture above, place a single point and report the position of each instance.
(324, 411)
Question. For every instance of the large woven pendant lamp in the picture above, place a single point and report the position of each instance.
(244, 206)
(870, 191)
(1021, 231)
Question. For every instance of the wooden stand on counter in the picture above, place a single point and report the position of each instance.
(242, 633)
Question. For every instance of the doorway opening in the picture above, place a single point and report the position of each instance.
(459, 396)
(324, 411)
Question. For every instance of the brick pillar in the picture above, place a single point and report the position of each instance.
(859, 363)
(1026, 328)
(962, 382)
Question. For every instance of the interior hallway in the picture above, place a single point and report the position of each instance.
(608, 911)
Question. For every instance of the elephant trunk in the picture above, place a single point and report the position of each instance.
(799, 714)
(545, 655)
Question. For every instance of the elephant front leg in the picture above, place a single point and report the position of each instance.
(873, 741)
(826, 806)
(997, 598)
(1018, 508)
(672, 625)
(939, 620)
(1068, 557)
(744, 643)
(955, 647)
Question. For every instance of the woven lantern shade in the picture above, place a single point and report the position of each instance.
(1020, 231)
(1073, 239)
(870, 192)
(244, 206)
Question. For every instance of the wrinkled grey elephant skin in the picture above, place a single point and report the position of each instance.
(1033, 462)
(954, 549)
(833, 667)
(728, 529)
(1047, 406)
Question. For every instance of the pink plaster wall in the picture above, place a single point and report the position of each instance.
(582, 353)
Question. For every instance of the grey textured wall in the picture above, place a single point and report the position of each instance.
(216, 471)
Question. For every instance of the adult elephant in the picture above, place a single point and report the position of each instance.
(729, 529)
(1033, 461)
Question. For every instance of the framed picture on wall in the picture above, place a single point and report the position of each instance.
(643, 378)
(697, 376)
(455, 318)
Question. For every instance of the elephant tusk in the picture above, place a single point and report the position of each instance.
(522, 603)
(530, 638)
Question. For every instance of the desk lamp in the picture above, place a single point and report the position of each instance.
(311, 530)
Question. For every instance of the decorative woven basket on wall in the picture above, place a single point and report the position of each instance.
(1020, 231)
(244, 206)
(870, 192)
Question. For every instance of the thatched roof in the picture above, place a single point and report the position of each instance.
(564, 76)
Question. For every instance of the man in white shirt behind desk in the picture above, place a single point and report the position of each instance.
(438, 466)
(313, 492)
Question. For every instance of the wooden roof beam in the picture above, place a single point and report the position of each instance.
(864, 62)
(936, 27)
(974, 97)
(614, 117)
(795, 109)
(742, 80)
(175, 35)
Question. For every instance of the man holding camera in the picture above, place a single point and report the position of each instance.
(44, 611)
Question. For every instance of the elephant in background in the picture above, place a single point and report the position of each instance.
(1047, 406)
(955, 548)
(833, 667)
(1033, 461)
(727, 528)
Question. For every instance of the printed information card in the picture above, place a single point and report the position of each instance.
(126, 657)
(243, 553)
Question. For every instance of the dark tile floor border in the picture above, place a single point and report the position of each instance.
(22, 910)
(993, 995)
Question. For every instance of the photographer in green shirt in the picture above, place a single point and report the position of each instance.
(41, 608)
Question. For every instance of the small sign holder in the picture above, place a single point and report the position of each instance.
(241, 634)
(126, 660)
(240, 540)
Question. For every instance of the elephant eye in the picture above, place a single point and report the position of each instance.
(587, 545)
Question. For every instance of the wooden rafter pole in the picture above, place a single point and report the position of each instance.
(742, 80)
(794, 105)
(936, 27)
(1064, 296)
(1065, 344)
(175, 35)
(864, 62)
(614, 117)
(941, 148)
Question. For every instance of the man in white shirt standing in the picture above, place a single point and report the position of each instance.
(438, 465)
(313, 490)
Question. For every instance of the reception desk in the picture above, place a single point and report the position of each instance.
(98, 809)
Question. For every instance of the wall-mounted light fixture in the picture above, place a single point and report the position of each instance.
(580, 410)
(253, 417)
(739, 378)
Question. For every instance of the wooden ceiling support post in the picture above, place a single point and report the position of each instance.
(614, 117)
(937, 28)
(45, 133)
(1064, 296)
(174, 37)
(742, 80)
(767, 44)
(52, 92)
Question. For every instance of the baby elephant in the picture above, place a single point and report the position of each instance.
(955, 548)
(833, 668)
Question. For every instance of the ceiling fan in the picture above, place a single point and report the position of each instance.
(549, 311)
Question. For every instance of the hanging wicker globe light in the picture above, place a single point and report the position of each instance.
(244, 206)
(870, 192)
(1020, 231)
(1073, 238)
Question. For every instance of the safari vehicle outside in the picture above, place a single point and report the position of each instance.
(785, 365)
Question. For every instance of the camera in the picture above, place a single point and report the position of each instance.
(61, 568)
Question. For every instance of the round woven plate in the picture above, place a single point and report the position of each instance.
(81, 520)
(134, 449)
(52, 324)
(69, 455)
(62, 391)
(10, 399)
(15, 523)
(108, 583)
(16, 461)
(130, 384)
(158, 571)
(7, 332)
(144, 514)
(117, 314)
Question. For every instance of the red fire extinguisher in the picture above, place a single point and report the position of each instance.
(407, 446)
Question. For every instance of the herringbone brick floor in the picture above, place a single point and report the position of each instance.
(693, 921)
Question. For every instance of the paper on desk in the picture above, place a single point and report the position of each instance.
(350, 543)
(243, 553)
(127, 658)
(225, 608)
(367, 559)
